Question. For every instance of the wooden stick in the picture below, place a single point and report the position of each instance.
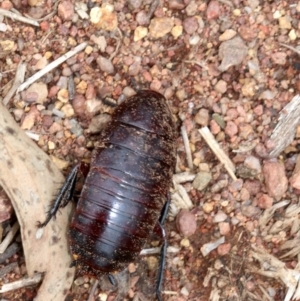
(51, 66)
(215, 147)
(21, 283)
(20, 18)
(186, 143)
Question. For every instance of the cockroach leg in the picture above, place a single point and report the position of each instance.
(64, 196)
(165, 210)
(112, 279)
(163, 252)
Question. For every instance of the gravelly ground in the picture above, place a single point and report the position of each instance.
(227, 65)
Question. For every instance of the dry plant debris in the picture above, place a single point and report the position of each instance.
(230, 73)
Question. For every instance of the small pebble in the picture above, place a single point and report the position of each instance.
(213, 10)
(190, 25)
(63, 95)
(232, 53)
(41, 91)
(105, 65)
(224, 228)
(220, 217)
(177, 31)
(68, 110)
(221, 86)
(224, 249)
(104, 17)
(231, 129)
(202, 117)
(100, 42)
(135, 3)
(41, 63)
(140, 32)
(186, 223)
(98, 123)
(176, 4)
(185, 243)
(227, 35)
(208, 207)
(103, 296)
(202, 180)
(159, 27)
(285, 23)
(192, 8)
(93, 105)
(279, 58)
(247, 33)
(265, 202)
(76, 129)
(60, 164)
(66, 10)
(253, 163)
(152, 263)
(250, 211)
(184, 291)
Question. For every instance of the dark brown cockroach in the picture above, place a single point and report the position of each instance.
(125, 189)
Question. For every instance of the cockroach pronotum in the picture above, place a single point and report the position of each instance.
(124, 196)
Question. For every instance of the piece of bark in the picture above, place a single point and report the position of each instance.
(285, 130)
(31, 180)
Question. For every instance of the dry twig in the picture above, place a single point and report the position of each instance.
(51, 66)
(19, 79)
(215, 147)
(9, 237)
(35, 279)
(17, 17)
(186, 143)
(290, 47)
(119, 40)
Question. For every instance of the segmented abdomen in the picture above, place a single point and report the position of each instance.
(126, 187)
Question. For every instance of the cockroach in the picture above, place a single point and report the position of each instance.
(124, 197)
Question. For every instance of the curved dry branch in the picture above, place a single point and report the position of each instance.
(31, 180)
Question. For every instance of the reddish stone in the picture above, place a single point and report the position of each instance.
(265, 202)
(213, 10)
(224, 249)
(275, 179)
(186, 223)
(66, 10)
